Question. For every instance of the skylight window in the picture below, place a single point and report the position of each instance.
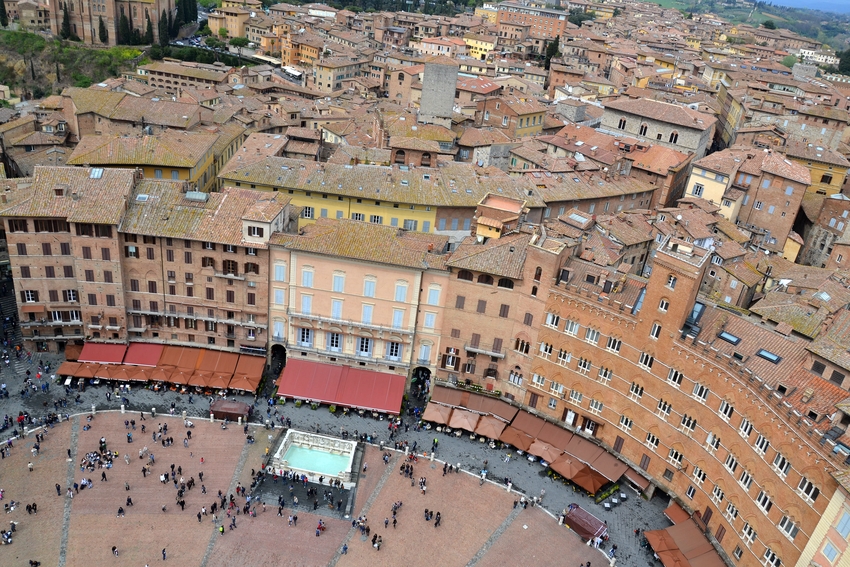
(729, 338)
(96, 173)
(769, 356)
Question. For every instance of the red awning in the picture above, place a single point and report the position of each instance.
(219, 361)
(143, 354)
(683, 545)
(528, 423)
(248, 365)
(189, 358)
(675, 513)
(583, 450)
(637, 479)
(170, 356)
(103, 353)
(341, 385)
(556, 436)
(447, 396)
(609, 466)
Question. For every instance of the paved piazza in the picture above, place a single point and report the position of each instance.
(479, 525)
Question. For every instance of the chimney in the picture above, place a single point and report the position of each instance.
(75, 196)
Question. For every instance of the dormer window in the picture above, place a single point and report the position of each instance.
(255, 231)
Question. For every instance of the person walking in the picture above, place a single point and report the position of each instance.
(163, 554)
(114, 551)
(345, 549)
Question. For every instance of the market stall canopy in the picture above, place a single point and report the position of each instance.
(103, 353)
(227, 409)
(463, 419)
(528, 424)
(68, 368)
(437, 413)
(342, 385)
(519, 439)
(683, 545)
(584, 523)
(545, 451)
(566, 466)
(143, 354)
(490, 426)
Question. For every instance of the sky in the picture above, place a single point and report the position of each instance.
(842, 6)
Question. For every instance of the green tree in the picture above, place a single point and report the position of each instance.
(844, 62)
(148, 39)
(205, 31)
(551, 51)
(222, 32)
(239, 43)
(171, 32)
(155, 52)
(576, 17)
(789, 61)
(4, 17)
(768, 25)
(124, 34)
(162, 29)
(102, 34)
(65, 31)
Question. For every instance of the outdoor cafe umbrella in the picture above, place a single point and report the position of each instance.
(180, 377)
(119, 373)
(490, 426)
(517, 438)
(139, 374)
(162, 374)
(86, 371)
(589, 479)
(566, 466)
(544, 450)
(437, 413)
(463, 419)
(219, 381)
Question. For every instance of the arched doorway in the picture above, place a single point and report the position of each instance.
(420, 382)
(278, 359)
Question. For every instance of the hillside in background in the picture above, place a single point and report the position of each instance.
(833, 29)
(34, 66)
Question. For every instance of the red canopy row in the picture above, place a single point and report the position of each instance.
(341, 385)
(165, 363)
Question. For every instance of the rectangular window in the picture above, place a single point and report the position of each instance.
(646, 361)
(675, 377)
(700, 392)
(504, 310)
(726, 410)
(430, 320)
(762, 500)
(211, 293)
(279, 273)
(187, 257)
(433, 296)
(459, 302)
(306, 304)
(652, 441)
(745, 428)
(106, 254)
(663, 409)
(65, 249)
(50, 272)
(591, 336)
(552, 320)
(401, 293)
(699, 475)
(398, 318)
(151, 287)
(781, 465)
(364, 346)
(761, 444)
(252, 299)
(626, 423)
(89, 275)
(717, 495)
(748, 534)
(807, 490)
(843, 526)
(46, 249)
(595, 407)
(655, 331)
(482, 306)
(306, 278)
(92, 299)
(369, 288)
(571, 328)
(367, 314)
(614, 344)
(731, 463)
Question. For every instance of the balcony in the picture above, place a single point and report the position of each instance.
(482, 349)
(46, 323)
(350, 323)
(229, 335)
(229, 276)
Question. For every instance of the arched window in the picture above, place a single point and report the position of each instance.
(671, 281)
(643, 129)
(400, 157)
(464, 275)
(538, 272)
(674, 137)
(506, 283)
(622, 124)
(485, 279)
(534, 291)
(426, 160)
